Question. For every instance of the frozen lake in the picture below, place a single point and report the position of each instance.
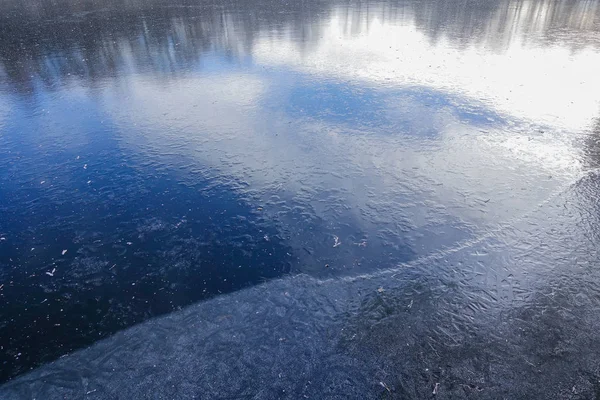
(318, 199)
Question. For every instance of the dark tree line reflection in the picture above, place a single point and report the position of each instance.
(47, 42)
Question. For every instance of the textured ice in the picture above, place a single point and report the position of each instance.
(510, 315)
(412, 177)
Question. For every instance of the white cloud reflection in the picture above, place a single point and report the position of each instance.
(386, 177)
(220, 125)
(550, 84)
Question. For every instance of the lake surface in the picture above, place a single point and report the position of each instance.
(157, 154)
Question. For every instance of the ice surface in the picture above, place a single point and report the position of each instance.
(512, 315)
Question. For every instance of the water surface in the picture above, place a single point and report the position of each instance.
(153, 154)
